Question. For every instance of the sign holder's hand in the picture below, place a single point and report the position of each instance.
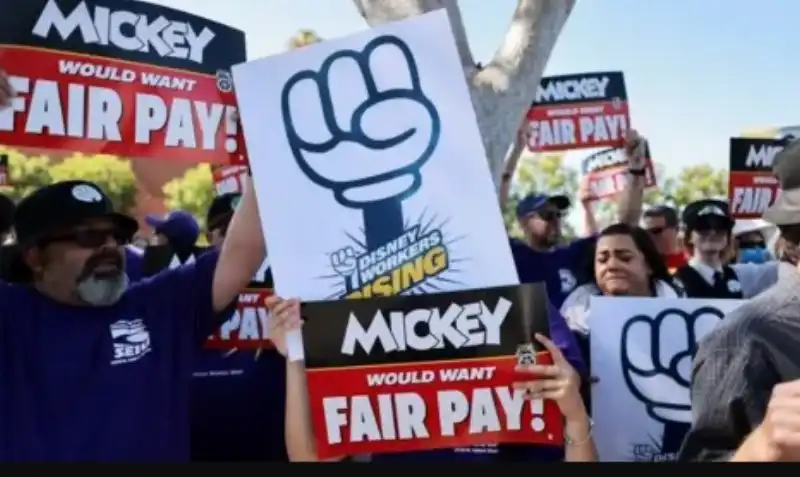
(284, 317)
(7, 93)
(368, 151)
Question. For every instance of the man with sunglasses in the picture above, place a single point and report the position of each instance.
(543, 257)
(708, 228)
(662, 224)
(92, 368)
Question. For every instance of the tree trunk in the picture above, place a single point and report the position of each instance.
(502, 91)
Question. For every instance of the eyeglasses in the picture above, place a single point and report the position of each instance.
(550, 215)
(89, 238)
(656, 230)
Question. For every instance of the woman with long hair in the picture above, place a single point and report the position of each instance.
(624, 261)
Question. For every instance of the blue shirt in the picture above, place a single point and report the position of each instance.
(562, 336)
(107, 383)
(557, 268)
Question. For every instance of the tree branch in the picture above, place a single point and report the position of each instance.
(507, 85)
(377, 12)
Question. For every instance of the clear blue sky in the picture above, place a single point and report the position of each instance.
(697, 71)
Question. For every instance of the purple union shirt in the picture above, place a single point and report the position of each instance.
(103, 384)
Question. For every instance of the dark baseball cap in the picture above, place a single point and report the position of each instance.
(786, 167)
(221, 210)
(533, 202)
(707, 210)
(56, 206)
(180, 227)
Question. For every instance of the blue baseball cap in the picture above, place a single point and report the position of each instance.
(533, 202)
(180, 227)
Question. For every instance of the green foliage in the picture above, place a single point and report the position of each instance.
(111, 173)
(700, 182)
(303, 38)
(192, 192)
(27, 173)
(541, 173)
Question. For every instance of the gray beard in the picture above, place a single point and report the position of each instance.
(105, 291)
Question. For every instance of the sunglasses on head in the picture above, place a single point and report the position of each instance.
(89, 238)
(550, 215)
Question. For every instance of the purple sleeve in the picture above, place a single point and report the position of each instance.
(185, 293)
(133, 264)
(562, 336)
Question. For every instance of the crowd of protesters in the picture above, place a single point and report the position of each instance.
(72, 391)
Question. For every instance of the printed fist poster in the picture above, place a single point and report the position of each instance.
(380, 381)
(117, 77)
(641, 352)
(369, 169)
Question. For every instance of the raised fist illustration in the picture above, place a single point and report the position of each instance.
(657, 357)
(362, 127)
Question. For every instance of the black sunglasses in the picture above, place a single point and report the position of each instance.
(550, 215)
(656, 230)
(89, 238)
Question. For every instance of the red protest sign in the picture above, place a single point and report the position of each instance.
(751, 185)
(607, 172)
(130, 79)
(422, 372)
(229, 179)
(248, 326)
(579, 111)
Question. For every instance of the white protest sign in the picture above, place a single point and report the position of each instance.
(369, 168)
(641, 351)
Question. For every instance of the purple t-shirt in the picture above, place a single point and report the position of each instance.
(557, 268)
(562, 336)
(103, 384)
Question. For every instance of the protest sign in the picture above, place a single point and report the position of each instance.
(579, 111)
(369, 168)
(229, 179)
(424, 372)
(641, 353)
(247, 327)
(125, 78)
(607, 172)
(751, 185)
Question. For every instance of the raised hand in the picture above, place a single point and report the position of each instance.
(558, 381)
(367, 128)
(657, 367)
(284, 317)
(636, 150)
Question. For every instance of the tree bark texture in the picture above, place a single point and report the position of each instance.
(502, 91)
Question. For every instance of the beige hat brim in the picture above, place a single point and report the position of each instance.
(785, 210)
